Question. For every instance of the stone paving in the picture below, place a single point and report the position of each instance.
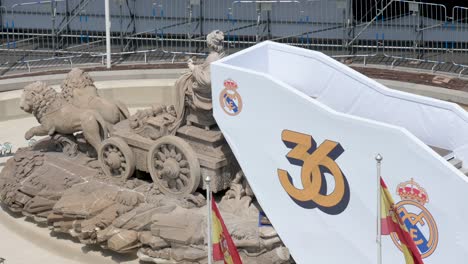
(18, 234)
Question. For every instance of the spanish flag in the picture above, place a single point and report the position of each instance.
(223, 246)
(391, 222)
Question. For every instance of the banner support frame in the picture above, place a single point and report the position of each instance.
(379, 159)
(209, 224)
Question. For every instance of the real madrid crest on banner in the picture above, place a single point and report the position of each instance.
(419, 221)
(229, 99)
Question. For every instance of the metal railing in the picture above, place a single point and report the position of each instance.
(37, 35)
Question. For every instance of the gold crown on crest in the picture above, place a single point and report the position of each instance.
(230, 84)
(411, 190)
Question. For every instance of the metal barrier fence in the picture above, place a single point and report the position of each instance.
(416, 31)
(63, 33)
(456, 43)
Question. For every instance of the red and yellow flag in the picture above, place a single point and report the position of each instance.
(223, 246)
(392, 222)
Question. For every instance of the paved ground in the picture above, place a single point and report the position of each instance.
(23, 242)
(13, 132)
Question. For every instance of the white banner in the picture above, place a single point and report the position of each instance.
(313, 169)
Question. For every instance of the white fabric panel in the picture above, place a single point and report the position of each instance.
(270, 106)
(436, 123)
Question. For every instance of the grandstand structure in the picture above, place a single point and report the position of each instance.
(37, 35)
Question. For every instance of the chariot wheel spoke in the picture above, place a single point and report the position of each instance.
(159, 164)
(161, 156)
(184, 178)
(173, 152)
(165, 184)
(163, 148)
(183, 163)
(180, 184)
(172, 184)
(165, 151)
(171, 147)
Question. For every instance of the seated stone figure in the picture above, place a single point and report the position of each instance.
(194, 87)
(55, 115)
(79, 89)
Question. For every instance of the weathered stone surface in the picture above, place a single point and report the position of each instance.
(124, 241)
(188, 254)
(141, 217)
(86, 200)
(33, 181)
(181, 226)
(38, 205)
(147, 238)
(267, 232)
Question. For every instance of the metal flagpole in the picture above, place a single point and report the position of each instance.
(210, 217)
(379, 159)
(108, 36)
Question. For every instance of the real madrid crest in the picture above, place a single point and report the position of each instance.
(229, 99)
(417, 219)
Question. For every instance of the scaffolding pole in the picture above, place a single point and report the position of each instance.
(108, 36)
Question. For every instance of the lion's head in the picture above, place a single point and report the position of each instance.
(37, 97)
(215, 40)
(76, 79)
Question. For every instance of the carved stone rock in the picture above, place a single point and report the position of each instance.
(80, 201)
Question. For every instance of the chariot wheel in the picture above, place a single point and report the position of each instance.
(116, 158)
(174, 166)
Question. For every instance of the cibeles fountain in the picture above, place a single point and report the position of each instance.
(134, 183)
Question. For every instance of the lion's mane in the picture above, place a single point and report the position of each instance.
(76, 79)
(44, 99)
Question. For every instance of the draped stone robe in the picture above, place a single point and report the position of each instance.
(194, 89)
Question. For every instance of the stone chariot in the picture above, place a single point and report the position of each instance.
(176, 162)
(177, 145)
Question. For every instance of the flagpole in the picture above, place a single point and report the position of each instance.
(379, 159)
(208, 201)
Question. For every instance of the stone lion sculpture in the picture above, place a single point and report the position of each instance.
(79, 89)
(55, 115)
